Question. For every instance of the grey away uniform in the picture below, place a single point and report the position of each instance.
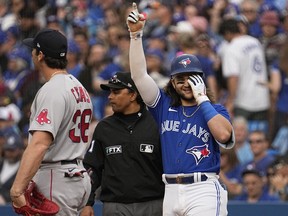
(66, 113)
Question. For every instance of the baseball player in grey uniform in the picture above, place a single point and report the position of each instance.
(191, 126)
(60, 116)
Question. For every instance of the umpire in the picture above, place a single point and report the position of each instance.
(125, 155)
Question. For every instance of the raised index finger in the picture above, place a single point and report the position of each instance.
(134, 6)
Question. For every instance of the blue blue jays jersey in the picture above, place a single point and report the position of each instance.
(187, 143)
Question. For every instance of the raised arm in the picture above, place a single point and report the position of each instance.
(146, 86)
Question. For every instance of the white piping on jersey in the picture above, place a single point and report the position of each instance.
(154, 104)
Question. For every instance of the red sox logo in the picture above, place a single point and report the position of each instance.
(42, 117)
(199, 152)
(185, 62)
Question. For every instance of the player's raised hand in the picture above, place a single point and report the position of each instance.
(135, 20)
(198, 87)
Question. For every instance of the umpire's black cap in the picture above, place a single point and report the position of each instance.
(120, 80)
(50, 42)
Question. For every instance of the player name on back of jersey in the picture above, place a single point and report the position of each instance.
(80, 94)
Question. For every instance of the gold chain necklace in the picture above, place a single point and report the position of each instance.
(188, 116)
(57, 72)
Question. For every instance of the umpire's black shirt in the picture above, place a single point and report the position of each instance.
(125, 157)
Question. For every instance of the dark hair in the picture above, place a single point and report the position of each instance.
(175, 98)
(24, 13)
(261, 132)
(54, 63)
(139, 99)
(231, 156)
(187, 40)
(229, 25)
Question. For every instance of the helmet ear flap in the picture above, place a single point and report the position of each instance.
(186, 63)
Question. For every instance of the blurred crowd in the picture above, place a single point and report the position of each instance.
(98, 45)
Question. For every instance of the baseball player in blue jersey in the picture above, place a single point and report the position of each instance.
(192, 128)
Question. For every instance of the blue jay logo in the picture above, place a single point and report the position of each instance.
(185, 62)
(199, 152)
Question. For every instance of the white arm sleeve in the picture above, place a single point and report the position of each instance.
(146, 86)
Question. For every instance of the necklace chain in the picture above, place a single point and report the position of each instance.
(58, 72)
(188, 116)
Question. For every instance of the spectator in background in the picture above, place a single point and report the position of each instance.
(10, 114)
(112, 40)
(112, 16)
(272, 39)
(280, 124)
(94, 65)
(74, 66)
(230, 172)
(254, 188)
(108, 70)
(261, 158)
(78, 15)
(9, 164)
(17, 6)
(242, 146)
(82, 40)
(161, 18)
(6, 95)
(158, 42)
(281, 108)
(200, 25)
(243, 64)
(154, 59)
(278, 178)
(18, 69)
(52, 22)
(190, 11)
(40, 7)
(219, 47)
(206, 46)
(27, 26)
(243, 24)
(284, 20)
(8, 41)
(7, 18)
(182, 27)
(250, 10)
(172, 42)
(221, 9)
(122, 58)
(28, 90)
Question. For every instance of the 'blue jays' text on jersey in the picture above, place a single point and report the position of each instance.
(187, 144)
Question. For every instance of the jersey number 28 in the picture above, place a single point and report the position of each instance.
(82, 121)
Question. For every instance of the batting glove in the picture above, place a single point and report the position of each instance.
(199, 89)
(135, 22)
